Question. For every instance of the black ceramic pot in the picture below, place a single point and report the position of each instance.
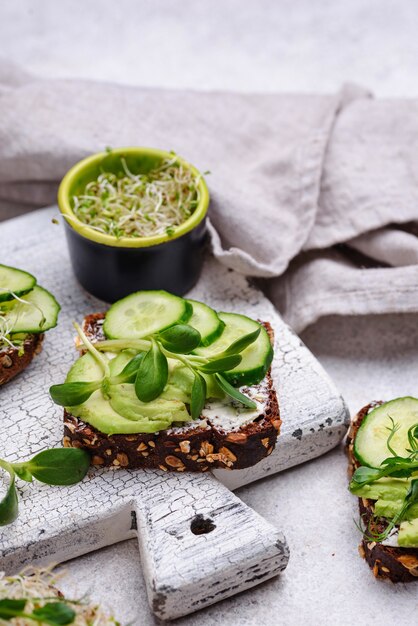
(111, 268)
(112, 273)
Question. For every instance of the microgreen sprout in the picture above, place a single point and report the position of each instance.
(6, 329)
(52, 613)
(139, 205)
(56, 466)
(31, 598)
(9, 316)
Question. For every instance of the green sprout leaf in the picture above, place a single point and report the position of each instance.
(242, 343)
(52, 613)
(221, 365)
(364, 475)
(73, 394)
(129, 372)
(393, 461)
(152, 374)
(180, 338)
(234, 393)
(60, 466)
(57, 466)
(9, 504)
(10, 608)
(55, 614)
(198, 396)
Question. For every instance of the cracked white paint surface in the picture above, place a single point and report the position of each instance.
(183, 571)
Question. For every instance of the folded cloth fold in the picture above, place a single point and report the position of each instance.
(290, 177)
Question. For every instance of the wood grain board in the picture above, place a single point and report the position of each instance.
(184, 571)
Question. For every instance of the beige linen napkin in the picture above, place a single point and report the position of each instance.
(291, 176)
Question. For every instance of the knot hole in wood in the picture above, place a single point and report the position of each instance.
(201, 525)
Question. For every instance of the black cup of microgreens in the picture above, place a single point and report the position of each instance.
(135, 218)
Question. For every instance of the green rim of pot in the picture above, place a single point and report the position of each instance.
(92, 163)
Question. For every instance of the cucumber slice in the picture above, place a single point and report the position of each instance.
(39, 313)
(16, 281)
(256, 359)
(206, 321)
(144, 313)
(370, 445)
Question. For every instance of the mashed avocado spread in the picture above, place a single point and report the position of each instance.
(120, 411)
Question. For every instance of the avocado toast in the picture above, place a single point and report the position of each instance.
(216, 407)
(382, 447)
(26, 312)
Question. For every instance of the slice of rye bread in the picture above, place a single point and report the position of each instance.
(196, 446)
(395, 564)
(13, 361)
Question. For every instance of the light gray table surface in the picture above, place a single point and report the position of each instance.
(325, 582)
(292, 45)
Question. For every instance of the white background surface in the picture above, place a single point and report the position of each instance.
(258, 45)
(250, 45)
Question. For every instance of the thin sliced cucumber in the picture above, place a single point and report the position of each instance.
(14, 281)
(370, 445)
(256, 359)
(206, 321)
(143, 313)
(38, 314)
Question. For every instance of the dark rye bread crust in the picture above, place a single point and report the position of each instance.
(12, 363)
(395, 564)
(178, 449)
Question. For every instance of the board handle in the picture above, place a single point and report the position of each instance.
(200, 543)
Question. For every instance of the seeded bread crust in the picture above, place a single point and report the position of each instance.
(197, 449)
(12, 363)
(395, 564)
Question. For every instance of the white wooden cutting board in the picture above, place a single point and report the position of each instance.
(184, 571)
